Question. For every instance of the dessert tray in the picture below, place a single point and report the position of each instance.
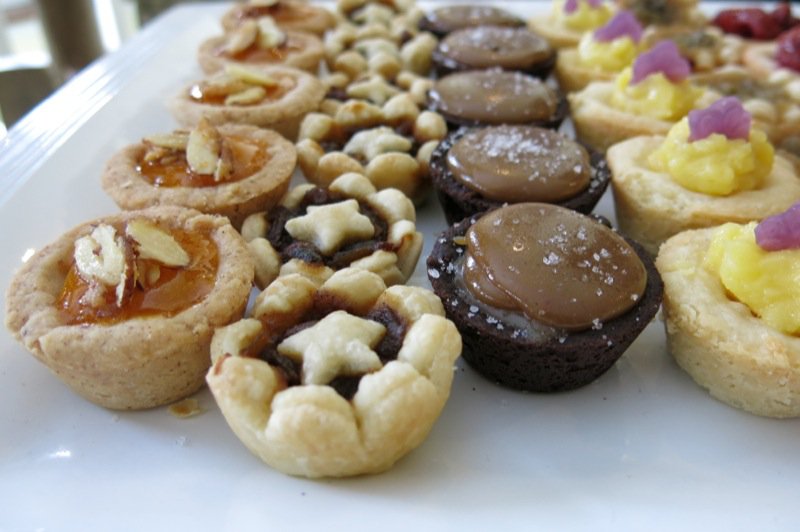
(643, 447)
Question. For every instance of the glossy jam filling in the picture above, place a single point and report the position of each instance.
(248, 156)
(554, 265)
(520, 163)
(175, 290)
(203, 93)
(256, 54)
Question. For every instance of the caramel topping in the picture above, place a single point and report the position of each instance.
(554, 265)
(154, 289)
(494, 97)
(447, 19)
(489, 46)
(172, 170)
(520, 163)
(257, 54)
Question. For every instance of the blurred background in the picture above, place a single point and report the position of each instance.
(44, 42)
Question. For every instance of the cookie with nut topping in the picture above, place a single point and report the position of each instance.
(273, 97)
(233, 170)
(295, 15)
(336, 378)
(122, 309)
(317, 231)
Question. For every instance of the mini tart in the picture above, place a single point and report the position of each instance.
(460, 201)
(493, 97)
(389, 143)
(286, 409)
(130, 190)
(293, 15)
(443, 20)
(140, 362)
(302, 93)
(497, 344)
(600, 125)
(665, 13)
(774, 103)
(494, 46)
(651, 207)
(707, 48)
(289, 238)
(556, 32)
(718, 341)
(301, 50)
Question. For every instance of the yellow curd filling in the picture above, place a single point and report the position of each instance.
(768, 282)
(714, 165)
(655, 96)
(611, 56)
(585, 18)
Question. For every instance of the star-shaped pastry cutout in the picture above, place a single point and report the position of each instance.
(329, 227)
(338, 344)
(375, 89)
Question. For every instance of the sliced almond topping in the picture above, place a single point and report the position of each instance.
(249, 75)
(203, 148)
(242, 37)
(269, 34)
(264, 3)
(249, 96)
(101, 256)
(155, 243)
(224, 168)
(172, 141)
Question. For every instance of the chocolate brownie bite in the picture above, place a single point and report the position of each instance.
(493, 97)
(476, 170)
(444, 20)
(515, 49)
(546, 299)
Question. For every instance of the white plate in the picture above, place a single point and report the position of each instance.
(641, 448)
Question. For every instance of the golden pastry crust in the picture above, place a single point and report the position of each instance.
(651, 207)
(283, 115)
(140, 362)
(309, 429)
(305, 17)
(394, 263)
(554, 31)
(600, 125)
(238, 199)
(573, 75)
(726, 349)
(306, 54)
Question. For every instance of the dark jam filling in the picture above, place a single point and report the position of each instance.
(755, 23)
(289, 248)
(345, 385)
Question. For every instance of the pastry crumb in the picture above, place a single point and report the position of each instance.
(186, 408)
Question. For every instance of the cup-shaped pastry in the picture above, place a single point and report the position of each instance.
(123, 308)
(294, 15)
(569, 20)
(546, 299)
(335, 378)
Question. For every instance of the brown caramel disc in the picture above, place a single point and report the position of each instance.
(556, 266)
(490, 46)
(495, 97)
(447, 19)
(520, 163)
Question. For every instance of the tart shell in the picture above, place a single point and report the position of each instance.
(236, 200)
(495, 350)
(727, 350)
(140, 362)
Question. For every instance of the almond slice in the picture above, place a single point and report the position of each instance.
(203, 148)
(155, 243)
(101, 256)
(249, 96)
(269, 34)
(242, 38)
(249, 75)
(172, 141)
(264, 3)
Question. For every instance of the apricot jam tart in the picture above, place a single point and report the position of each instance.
(122, 308)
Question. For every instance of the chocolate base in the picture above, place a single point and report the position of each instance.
(444, 64)
(454, 122)
(565, 361)
(459, 201)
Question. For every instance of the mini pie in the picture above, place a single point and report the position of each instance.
(600, 125)
(680, 13)
(558, 32)
(390, 144)
(294, 15)
(718, 341)
(475, 170)
(707, 48)
(274, 97)
(123, 308)
(546, 299)
(651, 206)
(335, 378)
(261, 43)
(234, 170)
(317, 230)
